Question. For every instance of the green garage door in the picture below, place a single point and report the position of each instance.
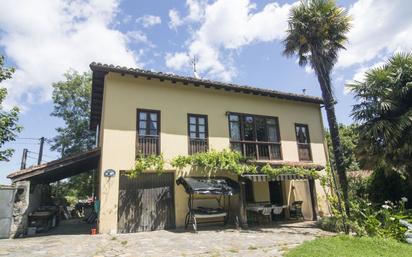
(146, 203)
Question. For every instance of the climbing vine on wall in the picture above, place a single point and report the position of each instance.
(146, 163)
(212, 161)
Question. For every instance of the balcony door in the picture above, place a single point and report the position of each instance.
(148, 132)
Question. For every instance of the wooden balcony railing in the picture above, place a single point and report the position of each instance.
(198, 146)
(304, 152)
(148, 145)
(258, 150)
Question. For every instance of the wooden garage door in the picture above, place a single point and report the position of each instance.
(146, 203)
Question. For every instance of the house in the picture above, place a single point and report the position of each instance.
(136, 110)
(151, 113)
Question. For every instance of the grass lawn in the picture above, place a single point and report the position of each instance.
(345, 246)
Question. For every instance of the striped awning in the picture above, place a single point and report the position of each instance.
(265, 178)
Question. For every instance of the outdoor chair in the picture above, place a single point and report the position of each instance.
(295, 210)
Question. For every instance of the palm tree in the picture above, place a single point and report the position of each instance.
(316, 32)
(384, 113)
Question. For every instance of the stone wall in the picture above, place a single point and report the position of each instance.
(27, 199)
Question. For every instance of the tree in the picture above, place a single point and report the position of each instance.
(384, 114)
(71, 99)
(72, 104)
(348, 135)
(316, 32)
(8, 119)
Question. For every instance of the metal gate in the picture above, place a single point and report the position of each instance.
(6, 210)
(146, 202)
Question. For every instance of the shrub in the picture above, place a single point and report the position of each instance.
(381, 220)
(331, 224)
(367, 218)
(388, 185)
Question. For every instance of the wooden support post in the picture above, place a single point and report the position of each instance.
(242, 204)
(312, 191)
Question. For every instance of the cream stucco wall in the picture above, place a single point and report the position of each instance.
(261, 192)
(124, 94)
(298, 190)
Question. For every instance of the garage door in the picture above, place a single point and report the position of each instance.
(146, 203)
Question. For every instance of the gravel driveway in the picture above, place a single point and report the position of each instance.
(270, 240)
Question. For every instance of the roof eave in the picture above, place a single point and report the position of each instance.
(219, 85)
(100, 70)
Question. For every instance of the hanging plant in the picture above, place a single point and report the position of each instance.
(288, 170)
(145, 163)
(213, 161)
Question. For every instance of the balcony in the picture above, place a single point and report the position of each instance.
(148, 145)
(304, 152)
(198, 146)
(258, 150)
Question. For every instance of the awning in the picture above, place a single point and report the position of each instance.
(59, 169)
(265, 178)
(213, 186)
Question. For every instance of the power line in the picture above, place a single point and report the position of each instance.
(21, 143)
(49, 156)
(27, 138)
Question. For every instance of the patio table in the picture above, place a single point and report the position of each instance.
(266, 209)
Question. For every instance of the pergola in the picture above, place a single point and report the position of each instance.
(260, 177)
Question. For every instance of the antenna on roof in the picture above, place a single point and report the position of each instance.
(193, 61)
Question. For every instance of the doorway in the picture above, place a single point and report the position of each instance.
(276, 197)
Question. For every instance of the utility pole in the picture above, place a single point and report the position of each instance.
(40, 151)
(23, 159)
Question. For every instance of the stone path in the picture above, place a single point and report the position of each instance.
(259, 241)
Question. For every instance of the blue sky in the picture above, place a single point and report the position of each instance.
(234, 40)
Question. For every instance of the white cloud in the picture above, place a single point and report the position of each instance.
(380, 28)
(175, 20)
(177, 61)
(138, 37)
(46, 39)
(196, 13)
(196, 9)
(309, 70)
(127, 18)
(149, 20)
(228, 25)
(359, 75)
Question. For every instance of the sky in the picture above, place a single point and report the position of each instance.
(238, 41)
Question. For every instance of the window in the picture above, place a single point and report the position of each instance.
(255, 136)
(198, 133)
(303, 141)
(148, 132)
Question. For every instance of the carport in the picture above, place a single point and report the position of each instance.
(59, 169)
(33, 184)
